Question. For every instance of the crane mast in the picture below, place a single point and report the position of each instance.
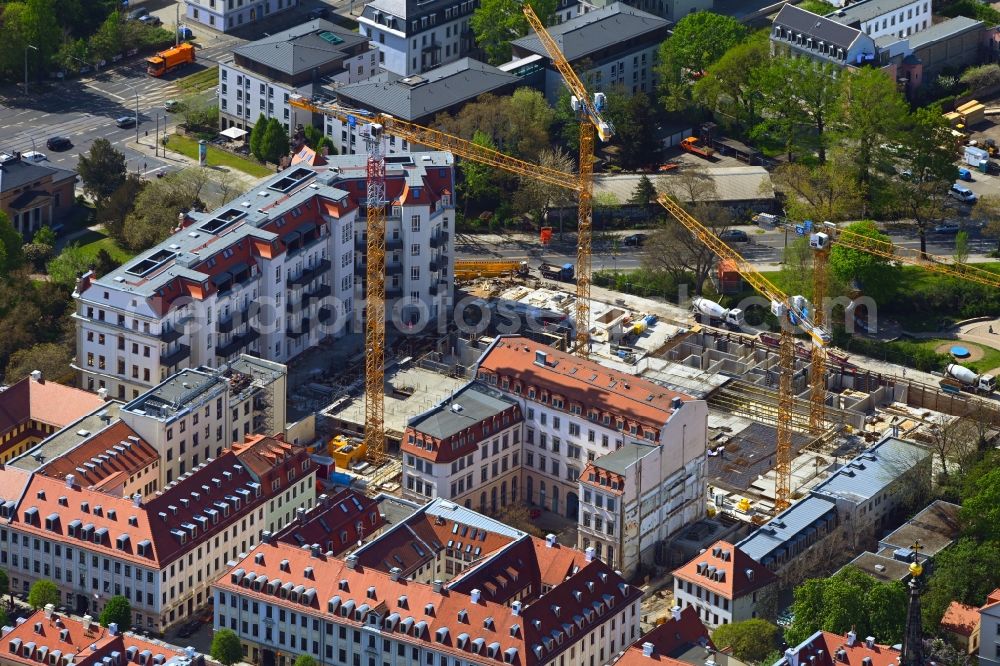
(375, 299)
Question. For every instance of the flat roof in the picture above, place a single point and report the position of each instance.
(867, 10)
(166, 398)
(67, 439)
(943, 30)
(620, 460)
(471, 404)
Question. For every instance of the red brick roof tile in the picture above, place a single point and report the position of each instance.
(669, 640)
(735, 565)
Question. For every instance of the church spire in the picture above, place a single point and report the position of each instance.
(913, 653)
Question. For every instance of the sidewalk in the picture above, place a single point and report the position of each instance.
(176, 161)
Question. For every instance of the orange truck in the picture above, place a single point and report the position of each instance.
(692, 146)
(170, 59)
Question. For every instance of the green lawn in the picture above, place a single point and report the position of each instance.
(94, 241)
(189, 147)
(199, 81)
(989, 361)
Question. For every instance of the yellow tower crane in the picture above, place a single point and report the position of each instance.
(378, 125)
(792, 312)
(589, 113)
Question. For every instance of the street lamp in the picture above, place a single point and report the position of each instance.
(136, 112)
(26, 47)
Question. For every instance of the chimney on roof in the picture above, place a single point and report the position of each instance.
(352, 561)
(69, 480)
(394, 573)
(870, 642)
(36, 376)
(475, 596)
(647, 649)
(437, 586)
(588, 553)
(190, 652)
(324, 499)
(515, 608)
(137, 499)
(851, 638)
(49, 609)
(792, 657)
(676, 403)
(102, 393)
(113, 628)
(675, 612)
(265, 536)
(541, 357)
(85, 621)
(314, 549)
(550, 540)
(300, 515)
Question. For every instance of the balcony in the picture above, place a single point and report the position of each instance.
(393, 243)
(394, 269)
(361, 244)
(173, 358)
(320, 293)
(433, 289)
(310, 274)
(435, 265)
(170, 334)
(303, 330)
(439, 239)
(393, 292)
(236, 344)
(325, 313)
(234, 320)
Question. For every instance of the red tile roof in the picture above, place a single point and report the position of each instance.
(960, 619)
(831, 644)
(45, 401)
(740, 574)
(333, 523)
(122, 449)
(579, 382)
(185, 507)
(669, 640)
(42, 637)
(993, 597)
(316, 582)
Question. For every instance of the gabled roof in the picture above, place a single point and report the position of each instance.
(302, 48)
(821, 649)
(597, 29)
(869, 473)
(15, 173)
(669, 641)
(333, 523)
(960, 619)
(66, 639)
(739, 574)
(422, 95)
(117, 448)
(583, 382)
(44, 401)
(465, 409)
(866, 10)
(816, 26)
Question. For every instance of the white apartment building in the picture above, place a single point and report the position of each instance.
(722, 584)
(195, 414)
(876, 18)
(413, 37)
(258, 78)
(224, 15)
(271, 274)
(555, 605)
(160, 552)
(573, 414)
(989, 630)
(467, 450)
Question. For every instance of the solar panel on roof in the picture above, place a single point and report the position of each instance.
(328, 36)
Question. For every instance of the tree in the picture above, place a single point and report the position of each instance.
(870, 118)
(820, 193)
(496, 23)
(848, 599)
(104, 263)
(699, 40)
(118, 611)
(28, 22)
(45, 236)
(226, 648)
(316, 140)
(52, 359)
(955, 441)
(11, 243)
(980, 78)
(921, 190)
(961, 254)
(114, 211)
(158, 205)
(751, 640)
(257, 137)
(517, 125)
(478, 182)
(635, 129)
(535, 197)
(71, 263)
(110, 38)
(879, 277)
(102, 170)
(517, 515)
(274, 144)
(730, 86)
(305, 660)
(981, 508)
(966, 571)
(644, 192)
(37, 255)
(42, 593)
(200, 112)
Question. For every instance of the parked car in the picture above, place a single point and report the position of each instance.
(734, 236)
(125, 122)
(137, 14)
(58, 143)
(635, 240)
(964, 174)
(947, 228)
(185, 32)
(33, 156)
(171, 105)
(962, 193)
(149, 19)
(765, 219)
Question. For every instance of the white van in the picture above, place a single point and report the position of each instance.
(962, 193)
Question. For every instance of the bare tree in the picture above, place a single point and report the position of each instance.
(535, 197)
(955, 442)
(228, 186)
